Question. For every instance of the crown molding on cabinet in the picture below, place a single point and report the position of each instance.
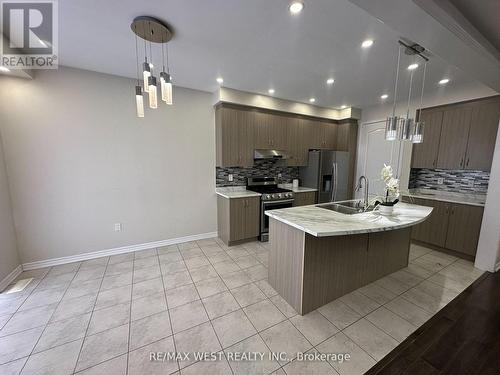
(227, 95)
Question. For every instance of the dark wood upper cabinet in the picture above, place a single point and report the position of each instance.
(459, 136)
(454, 135)
(482, 135)
(425, 154)
(234, 134)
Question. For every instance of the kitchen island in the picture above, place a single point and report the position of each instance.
(318, 255)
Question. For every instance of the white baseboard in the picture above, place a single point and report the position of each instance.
(10, 277)
(115, 251)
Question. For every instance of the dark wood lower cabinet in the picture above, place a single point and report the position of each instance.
(433, 230)
(238, 218)
(304, 199)
(452, 226)
(464, 225)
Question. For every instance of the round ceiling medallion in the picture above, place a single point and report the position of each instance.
(151, 29)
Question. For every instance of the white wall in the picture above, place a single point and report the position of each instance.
(79, 160)
(442, 95)
(488, 248)
(9, 258)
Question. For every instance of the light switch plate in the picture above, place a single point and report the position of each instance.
(440, 181)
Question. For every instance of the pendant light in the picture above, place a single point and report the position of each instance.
(151, 30)
(165, 80)
(139, 100)
(153, 92)
(417, 135)
(391, 124)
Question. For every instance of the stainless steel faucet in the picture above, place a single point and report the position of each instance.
(358, 187)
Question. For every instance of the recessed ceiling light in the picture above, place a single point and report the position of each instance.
(312, 100)
(383, 97)
(412, 66)
(343, 106)
(330, 81)
(4, 69)
(367, 43)
(296, 7)
(444, 81)
(219, 80)
(270, 91)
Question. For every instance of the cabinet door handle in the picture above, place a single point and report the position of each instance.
(461, 162)
(467, 164)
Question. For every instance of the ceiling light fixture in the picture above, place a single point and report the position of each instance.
(4, 69)
(330, 81)
(151, 30)
(444, 81)
(270, 91)
(367, 43)
(383, 97)
(219, 80)
(296, 7)
(312, 100)
(405, 128)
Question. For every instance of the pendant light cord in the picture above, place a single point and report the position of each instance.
(396, 83)
(162, 53)
(409, 95)
(422, 92)
(168, 65)
(136, 57)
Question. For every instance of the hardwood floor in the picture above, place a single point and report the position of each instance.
(463, 338)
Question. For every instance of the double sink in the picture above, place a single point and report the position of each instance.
(350, 207)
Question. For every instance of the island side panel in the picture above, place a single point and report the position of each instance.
(333, 266)
(388, 252)
(286, 262)
(337, 265)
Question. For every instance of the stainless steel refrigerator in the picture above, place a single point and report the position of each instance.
(327, 171)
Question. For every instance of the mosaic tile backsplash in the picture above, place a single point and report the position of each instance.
(261, 168)
(459, 181)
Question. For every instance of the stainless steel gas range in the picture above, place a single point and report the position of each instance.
(272, 198)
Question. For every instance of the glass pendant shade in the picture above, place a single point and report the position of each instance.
(391, 128)
(405, 129)
(166, 87)
(146, 73)
(417, 135)
(153, 92)
(139, 101)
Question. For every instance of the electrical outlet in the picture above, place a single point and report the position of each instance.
(118, 227)
(230, 178)
(279, 175)
(440, 181)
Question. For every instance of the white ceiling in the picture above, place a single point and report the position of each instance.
(254, 45)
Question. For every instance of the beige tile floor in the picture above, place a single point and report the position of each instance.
(105, 316)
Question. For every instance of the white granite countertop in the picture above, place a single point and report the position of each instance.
(448, 196)
(321, 222)
(236, 192)
(300, 189)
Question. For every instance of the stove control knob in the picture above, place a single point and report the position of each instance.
(274, 196)
(288, 195)
(267, 196)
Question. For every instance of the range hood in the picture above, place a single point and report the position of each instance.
(269, 154)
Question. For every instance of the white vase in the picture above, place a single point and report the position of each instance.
(386, 210)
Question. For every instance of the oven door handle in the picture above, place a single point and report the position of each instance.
(264, 203)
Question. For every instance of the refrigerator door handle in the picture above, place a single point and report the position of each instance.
(335, 186)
